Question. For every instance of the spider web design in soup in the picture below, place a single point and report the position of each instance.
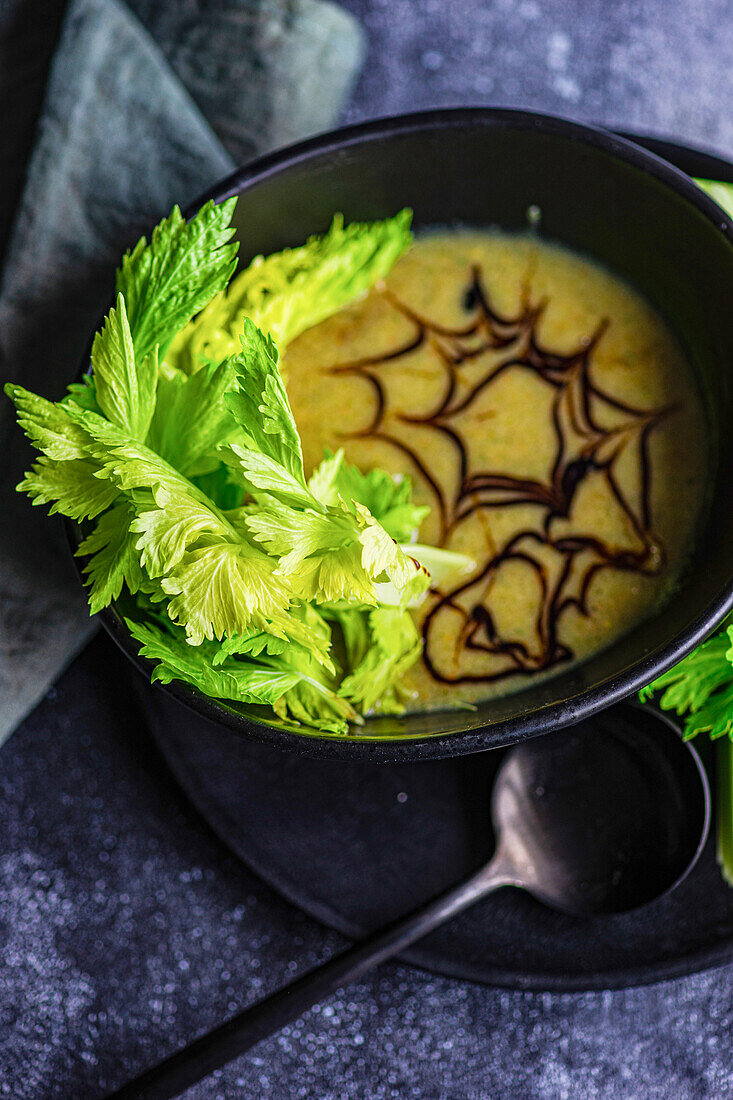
(548, 418)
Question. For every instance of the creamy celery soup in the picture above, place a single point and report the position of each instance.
(549, 419)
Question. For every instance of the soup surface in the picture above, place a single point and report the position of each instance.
(548, 418)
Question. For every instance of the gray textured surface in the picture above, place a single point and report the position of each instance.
(644, 64)
(127, 929)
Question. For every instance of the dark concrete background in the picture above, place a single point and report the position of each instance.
(642, 64)
(127, 929)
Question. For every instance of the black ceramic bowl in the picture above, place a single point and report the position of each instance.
(599, 194)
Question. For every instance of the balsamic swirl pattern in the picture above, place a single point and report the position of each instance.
(556, 563)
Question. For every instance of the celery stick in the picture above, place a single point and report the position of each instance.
(724, 778)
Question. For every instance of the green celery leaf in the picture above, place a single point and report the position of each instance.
(124, 383)
(353, 623)
(388, 498)
(253, 644)
(307, 629)
(249, 682)
(310, 703)
(721, 192)
(384, 559)
(393, 647)
(166, 282)
(290, 682)
(314, 701)
(67, 476)
(219, 582)
(260, 404)
(114, 559)
(191, 419)
(332, 576)
(174, 513)
(49, 426)
(290, 291)
(221, 487)
(294, 534)
(714, 717)
(689, 685)
(260, 473)
(335, 555)
(83, 393)
(172, 523)
(72, 488)
(226, 588)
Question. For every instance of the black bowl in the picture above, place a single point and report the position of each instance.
(600, 195)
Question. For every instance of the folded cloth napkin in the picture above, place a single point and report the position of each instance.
(142, 109)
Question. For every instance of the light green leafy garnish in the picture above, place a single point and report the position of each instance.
(388, 499)
(384, 644)
(240, 575)
(267, 449)
(290, 291)
(112, 557)
(701, 688)
(191, 419)
(166, 282)
(290, 680)
(721, 192)
(124, 382)
(70, 487)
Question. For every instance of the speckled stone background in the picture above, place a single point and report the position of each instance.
(127, 929)
(642, 64)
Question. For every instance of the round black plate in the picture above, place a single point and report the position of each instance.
(356, 844)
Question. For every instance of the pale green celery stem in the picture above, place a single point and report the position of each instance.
(342, 706)
(724, 783)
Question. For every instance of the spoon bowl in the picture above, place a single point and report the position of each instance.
(602, 817)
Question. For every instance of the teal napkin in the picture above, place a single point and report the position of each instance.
(141, 111)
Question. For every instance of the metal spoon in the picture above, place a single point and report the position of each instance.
(597, 819)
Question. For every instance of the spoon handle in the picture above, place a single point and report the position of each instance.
(220, 1045)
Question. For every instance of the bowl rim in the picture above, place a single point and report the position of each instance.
(536, 721)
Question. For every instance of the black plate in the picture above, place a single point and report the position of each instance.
(355, 843)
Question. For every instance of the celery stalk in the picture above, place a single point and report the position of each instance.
(724, 783)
